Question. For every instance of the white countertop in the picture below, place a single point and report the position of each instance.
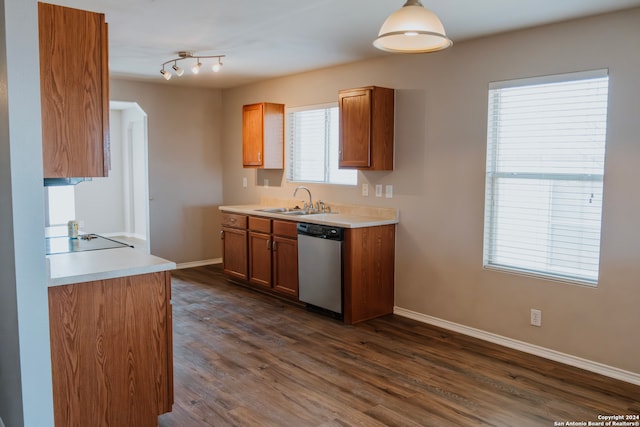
(344, 216)
(87, 266)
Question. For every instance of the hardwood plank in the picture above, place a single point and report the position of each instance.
(244, 358)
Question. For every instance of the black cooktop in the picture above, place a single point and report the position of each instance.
(84, 242)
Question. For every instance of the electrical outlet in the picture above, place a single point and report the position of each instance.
(365, 189)
(378, 190)
(536, 317)
(266, 183)
(388, 191)
(244, 182)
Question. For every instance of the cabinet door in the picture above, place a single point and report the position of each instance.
(111, 351)
(74, 92)
(285, 265)
(369, 256)
(355, 128)
(260, 258)
(252, 135)
(234, 252)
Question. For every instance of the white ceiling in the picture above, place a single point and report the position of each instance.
(269, 38)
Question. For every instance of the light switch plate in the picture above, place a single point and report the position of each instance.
(266, 183)
(388, 191)
(244, 182)
(378, 190)
(365, 189)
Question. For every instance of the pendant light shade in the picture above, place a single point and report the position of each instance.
(412, 29)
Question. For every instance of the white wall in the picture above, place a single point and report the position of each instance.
(134, 127)
(185, 166)
(25, 367)
(440, 148)
(100, 202)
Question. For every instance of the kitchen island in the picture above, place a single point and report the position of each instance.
(111, 337)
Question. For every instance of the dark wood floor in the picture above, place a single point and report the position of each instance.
(247, 359)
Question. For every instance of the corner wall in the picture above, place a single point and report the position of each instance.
(185, 166)
(440, 151)
(25, 362)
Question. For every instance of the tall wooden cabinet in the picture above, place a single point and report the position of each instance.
(366, 128)
(112, 351)
(74, 84)
(263, 136)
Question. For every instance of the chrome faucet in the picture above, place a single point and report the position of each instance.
(308, 207)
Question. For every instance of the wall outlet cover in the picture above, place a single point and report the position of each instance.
(536, 317)
(378, 190)
(365, 189)
(388, 191)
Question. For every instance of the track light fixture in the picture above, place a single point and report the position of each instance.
(195, 69)
(165, 74)
(179, 71)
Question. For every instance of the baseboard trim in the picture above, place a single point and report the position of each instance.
(567, 359)
(198, 263)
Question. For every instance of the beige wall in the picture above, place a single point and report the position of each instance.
(185, 167)
(441, 113)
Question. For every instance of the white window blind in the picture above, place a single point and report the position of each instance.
(313, 146)
(545, 164)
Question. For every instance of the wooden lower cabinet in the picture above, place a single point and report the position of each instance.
(234, 245)
(285, 258)
(368, 272)
(260, 258)
(112, 351)
(265, 253)
(273, 255)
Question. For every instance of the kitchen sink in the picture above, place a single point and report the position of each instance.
(273, 210)
(289, 211)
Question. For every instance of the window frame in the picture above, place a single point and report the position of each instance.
(493, 175)
(290, 153)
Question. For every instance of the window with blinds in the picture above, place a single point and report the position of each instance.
(313, 146)
(545, 164)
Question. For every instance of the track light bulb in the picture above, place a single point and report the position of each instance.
(179, 71)
(217, 66)
(165, 74)
(196, 67)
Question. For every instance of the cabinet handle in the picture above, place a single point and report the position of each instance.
(221, 234)
(268, 244)
(274, 246)
(259, 156)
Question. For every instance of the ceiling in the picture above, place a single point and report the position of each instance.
(269, 38)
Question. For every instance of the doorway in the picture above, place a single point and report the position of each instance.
(118, 206)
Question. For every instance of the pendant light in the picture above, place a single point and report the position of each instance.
(412, 29)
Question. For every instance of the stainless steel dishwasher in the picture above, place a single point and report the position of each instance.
(320, 266)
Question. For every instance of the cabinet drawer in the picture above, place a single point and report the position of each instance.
(285, 228)
(260, 224)
(234, 220)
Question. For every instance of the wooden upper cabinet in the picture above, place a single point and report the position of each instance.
(366, 128)
(263, 136)
(74, 85)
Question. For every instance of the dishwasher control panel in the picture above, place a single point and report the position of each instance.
(321, 231)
